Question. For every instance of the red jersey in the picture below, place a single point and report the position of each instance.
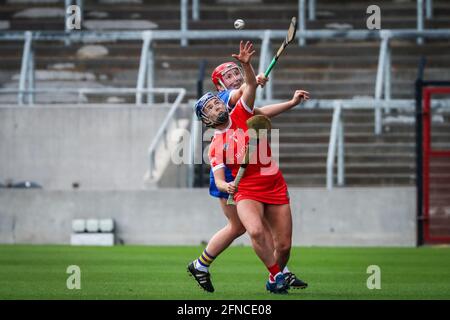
(262, 180)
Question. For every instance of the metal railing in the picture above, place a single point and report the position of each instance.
(195, 143)
(420, 15)
(163, 131)
(301, 22)
(311, 7)
(161, 135)
(26, 70)
(184, 21)
(184, 16)
(302, 17)
(383, 75)
(353, 34)
(82, 92)
(336, 141)
(264, 60)
(336, 146)
(312, 16)
(146, 67)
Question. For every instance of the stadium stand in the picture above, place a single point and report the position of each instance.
(326, 68)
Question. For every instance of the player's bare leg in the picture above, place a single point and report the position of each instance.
(279, 218)
(251, 213)
(233, 230)
(221, 239)
(225, 236)
(199, 268)
(219, 242)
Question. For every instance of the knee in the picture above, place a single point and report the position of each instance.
(240, 231)
(236, 229)
(256, 232)
(283, 246)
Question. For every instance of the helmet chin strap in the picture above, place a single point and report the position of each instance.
(212, 123)
(222, 117)
(222, 84)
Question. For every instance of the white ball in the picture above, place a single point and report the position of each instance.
(239, 24)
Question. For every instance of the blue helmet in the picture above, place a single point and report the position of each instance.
(200, 104)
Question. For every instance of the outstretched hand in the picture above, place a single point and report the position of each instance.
(245, 52)
(299, 96)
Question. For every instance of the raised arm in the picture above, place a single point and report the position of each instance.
(273, 110)
(245, 54)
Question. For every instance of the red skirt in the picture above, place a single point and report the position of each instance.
(270, 191)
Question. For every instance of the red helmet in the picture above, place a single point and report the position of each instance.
(220, 70)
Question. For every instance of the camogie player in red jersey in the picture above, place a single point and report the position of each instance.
(262, 192)
(229, 82)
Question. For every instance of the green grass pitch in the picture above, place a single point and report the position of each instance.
(152, 272)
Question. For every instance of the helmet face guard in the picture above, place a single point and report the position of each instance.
(219, 72)
(199, 111)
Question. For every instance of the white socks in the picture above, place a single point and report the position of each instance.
(199, 267)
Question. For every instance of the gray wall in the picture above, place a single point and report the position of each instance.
(99, 147)
(341, 217)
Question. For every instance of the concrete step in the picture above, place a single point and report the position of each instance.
(440, 178)
(167, 23)
(286, 94)
(311, 180)
(300, 158)
(366, 52)
(351, 127)
(319, 180)
(354, 118)
(127, 77)
(361, 85)
(350, 168)
(264, 10)
(282, 77)
(325, 117)
(320, 90)
(349, 7)
(350, 138)
(440, 191)
(354, 74)
(379, 168)
(314, 87)
(380, 179)
(163, 65)
(444, 169)
(164, 48)
(354, 148)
